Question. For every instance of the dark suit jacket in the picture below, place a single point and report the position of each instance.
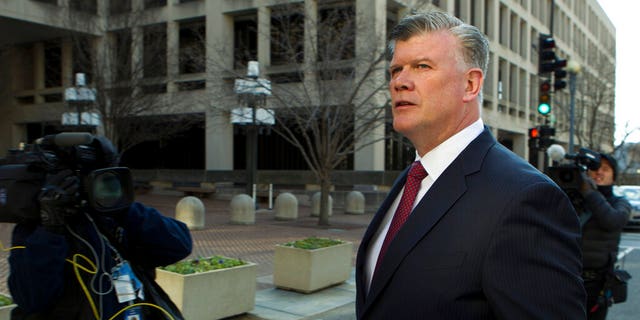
(492, 239)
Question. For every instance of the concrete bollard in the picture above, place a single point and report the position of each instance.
(286, 207)
(190, 210)
(355, 203)
(315, 205)
(243, 211)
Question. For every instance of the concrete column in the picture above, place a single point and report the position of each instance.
(38, 70)
(219, 141)
(68, 78)
(371, 17)
(137, 64)
(310, 48)
(173, 43)
(264, 36)
(219, 46)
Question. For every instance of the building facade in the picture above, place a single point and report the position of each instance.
(177, 59)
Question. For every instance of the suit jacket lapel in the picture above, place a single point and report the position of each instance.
(373, 227)
(449, 187)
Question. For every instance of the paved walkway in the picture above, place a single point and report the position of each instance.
(256, 243)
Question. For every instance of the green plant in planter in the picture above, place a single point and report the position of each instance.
(5, 301)
(313, 243)
(203, 264)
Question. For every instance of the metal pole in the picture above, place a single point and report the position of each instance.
(572, 103)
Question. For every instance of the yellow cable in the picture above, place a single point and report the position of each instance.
(142, 304)
(84, 287)
(10, 248)
(94, 269)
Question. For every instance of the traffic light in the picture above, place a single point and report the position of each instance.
(559, 74)
(534, 136)
(546, 134)
(544, 100)
(547, 55)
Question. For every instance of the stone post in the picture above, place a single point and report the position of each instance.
(355, 203)
(315, 205)
(243, 210)
(190, 210)
(286, 207)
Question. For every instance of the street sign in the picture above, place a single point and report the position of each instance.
(86, 118)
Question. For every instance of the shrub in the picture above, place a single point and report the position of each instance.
(313, 243)
(5, 301)
(203, 264)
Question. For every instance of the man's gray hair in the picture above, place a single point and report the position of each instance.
(475, 46)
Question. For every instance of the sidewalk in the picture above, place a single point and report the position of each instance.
(256, 243)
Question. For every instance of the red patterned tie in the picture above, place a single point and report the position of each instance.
(411, 187)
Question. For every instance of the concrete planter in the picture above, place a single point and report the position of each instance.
(213, 294)
(5, 312)
(311, 270)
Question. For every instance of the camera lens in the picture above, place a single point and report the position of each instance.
(107, 190)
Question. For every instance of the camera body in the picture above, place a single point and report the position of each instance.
(103, 188)
(568, 173)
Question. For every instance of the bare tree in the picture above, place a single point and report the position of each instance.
(328, 92)
(127, 66)
(595, 104)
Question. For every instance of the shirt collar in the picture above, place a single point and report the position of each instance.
(438, 159)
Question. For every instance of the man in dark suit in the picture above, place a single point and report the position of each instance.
(484, 235)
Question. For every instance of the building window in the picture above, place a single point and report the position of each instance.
(287, 35)
(53, 2)
(155, 50)
(245, 40)
(336, 33)
(154, 3)
(52, 64)
(88, 6)
(119, 6)
(192, 46)
(122, 55)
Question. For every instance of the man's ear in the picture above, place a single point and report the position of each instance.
(475, 78)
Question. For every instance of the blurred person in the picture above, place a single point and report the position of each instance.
(488, 236)
(604, 217)
(49, 280)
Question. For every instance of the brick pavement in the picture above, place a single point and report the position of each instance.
(253, 243)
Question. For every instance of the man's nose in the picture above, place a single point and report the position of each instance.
(402, 81)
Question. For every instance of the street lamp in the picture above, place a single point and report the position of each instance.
(253, 92)
(80, 96)
(574, 68)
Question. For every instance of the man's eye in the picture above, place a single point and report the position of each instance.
(423, 66)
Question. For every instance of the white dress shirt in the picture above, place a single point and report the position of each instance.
(434, 162)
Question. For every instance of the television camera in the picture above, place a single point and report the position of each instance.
(568, 168)
(104, 188)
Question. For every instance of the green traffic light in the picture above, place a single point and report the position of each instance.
(544, 109)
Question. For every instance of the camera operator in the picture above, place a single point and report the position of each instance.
(74, 256)
(604, 217)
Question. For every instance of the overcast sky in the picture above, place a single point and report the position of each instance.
(624, 15)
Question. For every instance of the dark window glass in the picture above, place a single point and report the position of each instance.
(245, 41)
(155, 50)
(192, 46)
(287, 35)
(52, 64)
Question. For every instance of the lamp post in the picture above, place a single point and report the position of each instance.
(253, 91)
(79, 96)
(574, 68)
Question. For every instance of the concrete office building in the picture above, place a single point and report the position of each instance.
(38, 63)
